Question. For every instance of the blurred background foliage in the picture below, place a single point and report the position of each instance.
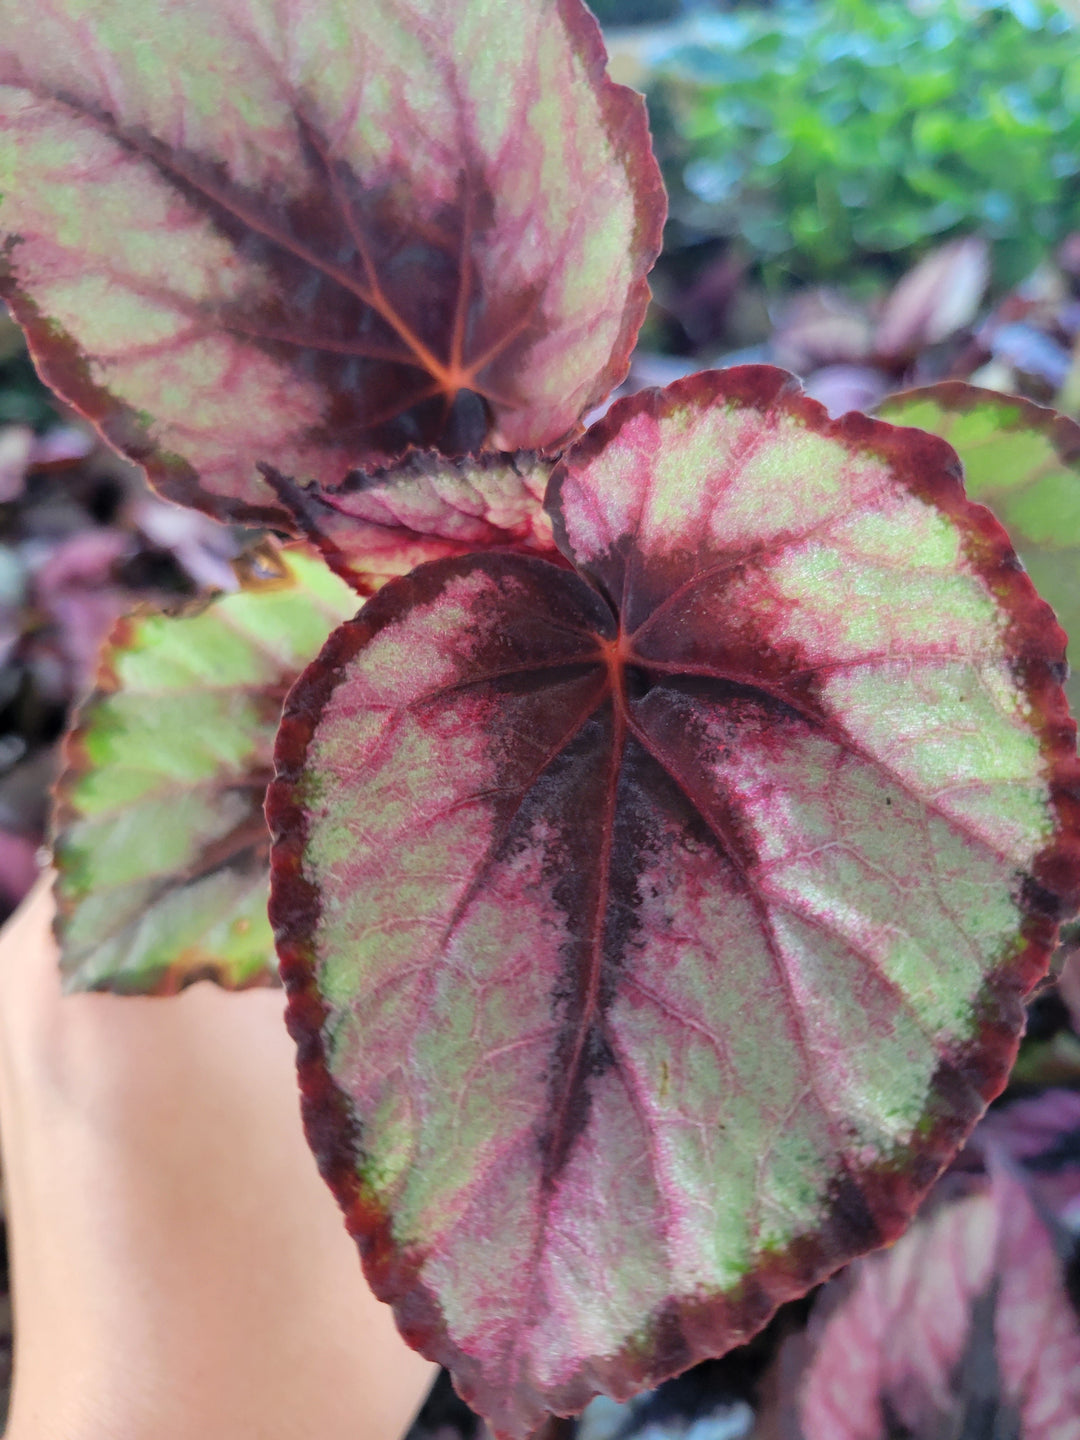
(872, 193)
(830, 134)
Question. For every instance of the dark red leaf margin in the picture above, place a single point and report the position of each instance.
(868, 1212)
(960, 398)
(625, 111)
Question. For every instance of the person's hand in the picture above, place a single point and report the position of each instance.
(180, 1272)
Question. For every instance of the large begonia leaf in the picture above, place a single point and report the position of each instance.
(655, 930)
(1023, 460)
(314, 233)
(161, 848)
(382, 523)
(963, 1328)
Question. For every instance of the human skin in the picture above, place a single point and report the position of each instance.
(179, 1269)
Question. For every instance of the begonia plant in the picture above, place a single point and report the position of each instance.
(662, 852)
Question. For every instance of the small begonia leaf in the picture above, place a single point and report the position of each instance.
(161, 848)
(383, 523)
(316, 234)
(1023, 460)
(655, 930)
(964, 1327)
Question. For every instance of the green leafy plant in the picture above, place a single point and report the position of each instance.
(824, 134)
(662, 854)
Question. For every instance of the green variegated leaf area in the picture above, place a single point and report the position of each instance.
(656, 925)
(1023, 460)
(320, 232)
(161, 847)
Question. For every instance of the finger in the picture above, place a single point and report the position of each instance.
(179, 1267)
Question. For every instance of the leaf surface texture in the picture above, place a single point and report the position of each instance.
(655, 930)
(384, 523)
(319, 234)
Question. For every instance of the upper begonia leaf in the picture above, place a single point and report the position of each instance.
(655, 930)
(161, 848)
(1023, 460)
(963, 1328)
(383, 523)
(316, 234)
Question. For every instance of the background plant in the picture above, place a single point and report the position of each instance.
(827, 135)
